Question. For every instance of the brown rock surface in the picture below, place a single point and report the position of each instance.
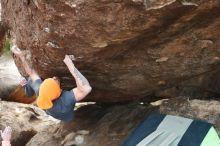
(128, 49)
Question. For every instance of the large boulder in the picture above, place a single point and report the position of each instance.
(128, 49)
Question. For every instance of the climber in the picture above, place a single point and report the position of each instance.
(6, 136)
(56, 102)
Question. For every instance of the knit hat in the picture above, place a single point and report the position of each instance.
(49, 91)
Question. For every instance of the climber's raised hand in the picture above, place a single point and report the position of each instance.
(15, 50)
(6, 134)
(68, 60)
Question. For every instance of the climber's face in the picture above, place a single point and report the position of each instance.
(57, 79)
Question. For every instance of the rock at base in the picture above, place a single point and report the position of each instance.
(96, 125)
(25, 120)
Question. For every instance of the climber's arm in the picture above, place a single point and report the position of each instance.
(28, 68)
(83, 87)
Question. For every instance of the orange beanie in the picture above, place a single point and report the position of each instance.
(49, 90)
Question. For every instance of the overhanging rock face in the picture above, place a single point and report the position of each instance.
(128, 49)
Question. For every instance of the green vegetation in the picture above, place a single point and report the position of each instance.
(7, 46)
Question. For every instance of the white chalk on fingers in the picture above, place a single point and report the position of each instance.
(72, 57)
(15, 48)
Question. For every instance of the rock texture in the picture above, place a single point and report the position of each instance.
(96, 125)
(128, 49)
(25, 120)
